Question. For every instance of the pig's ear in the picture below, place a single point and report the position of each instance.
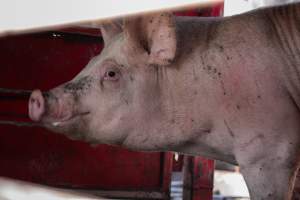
(154, 33)
(109, 29)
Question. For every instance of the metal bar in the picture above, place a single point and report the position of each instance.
(137, 194)
(21, 124)
(167, 173)
(15, 92)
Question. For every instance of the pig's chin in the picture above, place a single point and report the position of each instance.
(73, 123)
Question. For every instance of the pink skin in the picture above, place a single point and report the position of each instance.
(36, 105)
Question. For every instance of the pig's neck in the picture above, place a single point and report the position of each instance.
(193, 91)
(284, 21)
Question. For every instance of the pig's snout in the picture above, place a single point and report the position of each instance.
(36, 105)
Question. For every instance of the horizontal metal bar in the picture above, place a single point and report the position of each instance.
(15, 92)
(127, 194)
(15, 123)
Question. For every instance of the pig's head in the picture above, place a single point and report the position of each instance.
(119, 92)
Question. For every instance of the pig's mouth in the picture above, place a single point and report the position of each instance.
(69, 120)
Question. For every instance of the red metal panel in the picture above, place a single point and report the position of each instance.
(177, 164)
(167, 172)
(198, 178)
(210, 11)
(203, 172)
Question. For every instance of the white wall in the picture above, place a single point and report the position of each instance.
(26, 14)
(233, 7)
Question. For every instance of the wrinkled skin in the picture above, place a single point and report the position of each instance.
(225, 88)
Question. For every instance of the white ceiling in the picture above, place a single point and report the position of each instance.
(16, 15)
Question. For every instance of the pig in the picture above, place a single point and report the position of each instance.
(224, 88)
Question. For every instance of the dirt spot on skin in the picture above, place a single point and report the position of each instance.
(208, 131)
(212, 71)
(202, 61)
(220, 47)
(168, 60)
(79, 86)
(126, 102)
(131, 78)
(223, 87)
(145, 140)
(238, 107)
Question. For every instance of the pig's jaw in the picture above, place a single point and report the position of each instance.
(73, 127)
(69, 120)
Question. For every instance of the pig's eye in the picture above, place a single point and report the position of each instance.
(112, 75)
